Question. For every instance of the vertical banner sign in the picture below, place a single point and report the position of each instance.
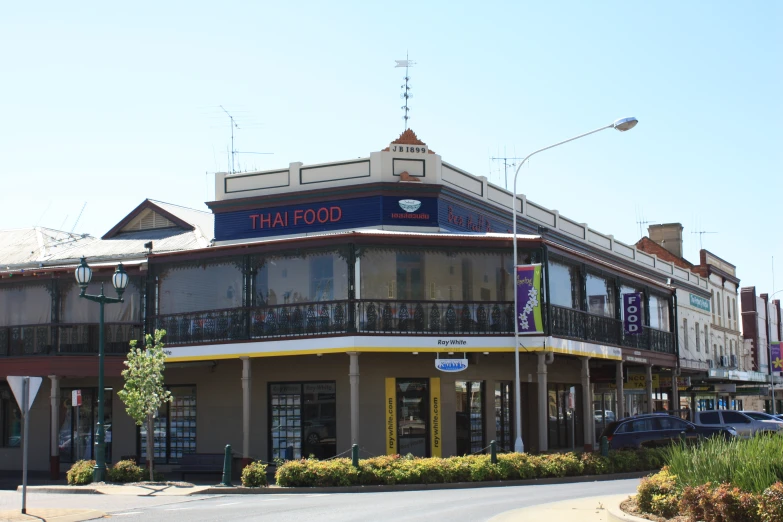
(435, 416)
(391, 416)
(776, 361)
(632, 313)
(528, 292)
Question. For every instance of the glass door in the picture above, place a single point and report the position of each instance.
(413, 416)
(409, 277)
(286, 421)
(470, 417)
(503, 424)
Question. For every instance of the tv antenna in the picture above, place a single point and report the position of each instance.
(235, 125)
(701, 234)
(505, 162)
(78, 217)
(641, 221)
(405, 88)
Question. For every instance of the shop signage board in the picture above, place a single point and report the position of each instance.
(682, 382)
(435, 416)
(391, 416)
(699, 302)
(528, 293)
(463, 219)
(632, 313)
(639, 382)
(451, 365)
(76, 398)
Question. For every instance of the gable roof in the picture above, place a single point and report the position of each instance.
(168, 215)
(649, 246)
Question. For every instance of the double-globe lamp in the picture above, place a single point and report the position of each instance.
(120, 282)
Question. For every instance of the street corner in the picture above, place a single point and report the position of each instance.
(589, 509)
(51, 515)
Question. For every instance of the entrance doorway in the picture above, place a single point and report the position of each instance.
(503, 416)
(410, 268)
(413, 417)
(565, 426)
(470, 417)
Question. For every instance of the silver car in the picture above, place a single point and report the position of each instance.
(745, 425)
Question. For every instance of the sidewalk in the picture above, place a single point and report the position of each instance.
(589, 509)
(51, 515)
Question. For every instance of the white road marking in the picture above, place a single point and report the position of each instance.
(229, 504)
(271, 499)
(128, 513)
(317, 495)
(178, 509)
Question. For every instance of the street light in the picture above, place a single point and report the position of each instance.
(622, 125)
(120, 282)
(769, 351)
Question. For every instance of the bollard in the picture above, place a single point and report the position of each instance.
(493, 452)
(604, 446)
(683, 438)
(227, 467)
(355, 455)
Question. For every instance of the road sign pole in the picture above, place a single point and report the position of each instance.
(26, 420)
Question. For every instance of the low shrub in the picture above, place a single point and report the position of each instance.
(395, 469)
(691, 501)
(734, 505)
(658, 494)
(771, 503)
(125, 471)
(254, 475)
(80, 473)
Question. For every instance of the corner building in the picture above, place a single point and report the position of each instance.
(319, 315)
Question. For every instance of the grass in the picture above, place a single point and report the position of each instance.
(751, 465)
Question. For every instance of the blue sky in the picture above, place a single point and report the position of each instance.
(110, 104)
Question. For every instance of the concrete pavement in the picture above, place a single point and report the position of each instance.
(51, 515)
(588, 509)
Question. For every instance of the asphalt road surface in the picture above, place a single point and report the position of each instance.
(477, 504)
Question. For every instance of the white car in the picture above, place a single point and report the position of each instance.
(745, 425)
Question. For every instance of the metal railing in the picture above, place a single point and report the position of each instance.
(65, 339)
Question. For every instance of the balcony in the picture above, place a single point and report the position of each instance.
(576, 324)
(66, 339)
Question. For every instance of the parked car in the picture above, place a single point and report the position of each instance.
(746, 426)
(760, 415)
(605, 415)
(651, 431)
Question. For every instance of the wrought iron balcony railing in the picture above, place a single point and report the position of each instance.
(64, 339)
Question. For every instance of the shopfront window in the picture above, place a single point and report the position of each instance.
(503, 409)
(470, 417)
(565, 429)
(600, 295)
(78, 424)
(659, 312)
(195, 288)
(10, 419)
(174, 427)
(303, 420)
(564, 286)
(301, 279)
(413, 415)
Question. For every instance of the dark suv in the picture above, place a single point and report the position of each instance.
(651, 431)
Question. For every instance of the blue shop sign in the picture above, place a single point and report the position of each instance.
(462, 219)
(700, 302)
(325, 216)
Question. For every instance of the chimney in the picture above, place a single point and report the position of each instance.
(669, 236)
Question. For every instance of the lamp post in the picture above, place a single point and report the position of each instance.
(120, 281)
(621, 125)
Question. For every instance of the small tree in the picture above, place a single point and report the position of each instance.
(144, 393)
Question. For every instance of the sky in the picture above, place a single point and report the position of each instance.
(109, 104)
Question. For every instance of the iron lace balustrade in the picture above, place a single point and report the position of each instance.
(229, 324)
(30, 339)
(434, 317)
(80, 339)
(576, 324)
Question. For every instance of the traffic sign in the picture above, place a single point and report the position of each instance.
(76, 398)
(17, 385)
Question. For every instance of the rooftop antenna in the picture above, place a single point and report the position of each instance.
(235, 125)
(405, 88)
(78, 217)
(505, 159)
(641, 221)
(701, 234)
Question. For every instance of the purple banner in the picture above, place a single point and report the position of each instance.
(529, 318)
(632, 313)
(775, 357)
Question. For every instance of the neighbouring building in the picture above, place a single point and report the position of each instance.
(316, 306)
(762, 325)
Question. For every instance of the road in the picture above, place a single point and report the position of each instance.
(478, 504)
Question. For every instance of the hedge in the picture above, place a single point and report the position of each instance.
(395, 469)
